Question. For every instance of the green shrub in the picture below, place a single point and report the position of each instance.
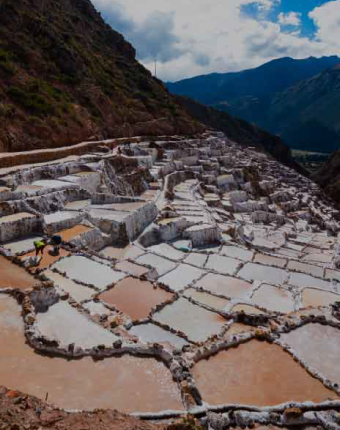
(6, 110)
(32, 101)
(5, 63)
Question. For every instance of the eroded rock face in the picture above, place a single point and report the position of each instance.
(193, 266)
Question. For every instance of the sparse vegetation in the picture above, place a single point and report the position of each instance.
(57, 55)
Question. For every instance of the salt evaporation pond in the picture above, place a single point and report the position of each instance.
(162, 265)
(225, 285)
(237, 252)
(302, 280)
(313, 297)
(65, 324)
(13, 276)
(48, 258)
(73, 232)
(256, 373)
(195, 322)
(88, 271)
(274, 299)
(206, 299)
(77, 291)
(129, 251)
(135, 298)
(269, 260)
(129, 384)
(152, 333)
(223, 265)
(131, 268)
(256, 272)
(196, 259)
(180, 277)
(318, 346)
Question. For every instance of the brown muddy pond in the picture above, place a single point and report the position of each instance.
(73, 232)
(256, 373)
(129, 384)
(47, 258)
(135, 298)
(13, 276)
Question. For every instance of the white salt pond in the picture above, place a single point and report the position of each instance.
(315, 298)
(152, 333)
(196, 259)
(206, 299)
(181, 277)
(21, 246)
(256, 272)
(274, 299)
(197, 323)
(162, 265)
(302, 280)
(77, 291)
(167, 251)
(89, 272)
(237, 252)
(225, 286)
(318, 346)
(269, 260)
(225, 265)
(65, 324)
(306, 268)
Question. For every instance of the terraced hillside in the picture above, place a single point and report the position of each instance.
(195, 276)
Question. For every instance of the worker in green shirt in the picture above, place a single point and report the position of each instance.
(39, 246)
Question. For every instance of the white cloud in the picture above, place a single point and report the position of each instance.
(327, 19)
(290, 18)
(191, 37)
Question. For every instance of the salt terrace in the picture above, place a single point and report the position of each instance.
(204, 276)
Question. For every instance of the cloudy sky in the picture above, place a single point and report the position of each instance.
(194, 37)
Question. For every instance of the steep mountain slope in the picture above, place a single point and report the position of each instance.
(66, 76)
(308, 114)
(240, 131)
(230, 89)
(328, 177)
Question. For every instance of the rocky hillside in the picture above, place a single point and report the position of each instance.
(308, 114)
(66, 76)
(240, 131)
(328, 177)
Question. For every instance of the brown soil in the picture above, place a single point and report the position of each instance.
(19, 411)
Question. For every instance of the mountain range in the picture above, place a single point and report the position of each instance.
(66, 76)
(299, 100)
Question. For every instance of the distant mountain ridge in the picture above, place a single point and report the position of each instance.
(292, 98)
(66, 76)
